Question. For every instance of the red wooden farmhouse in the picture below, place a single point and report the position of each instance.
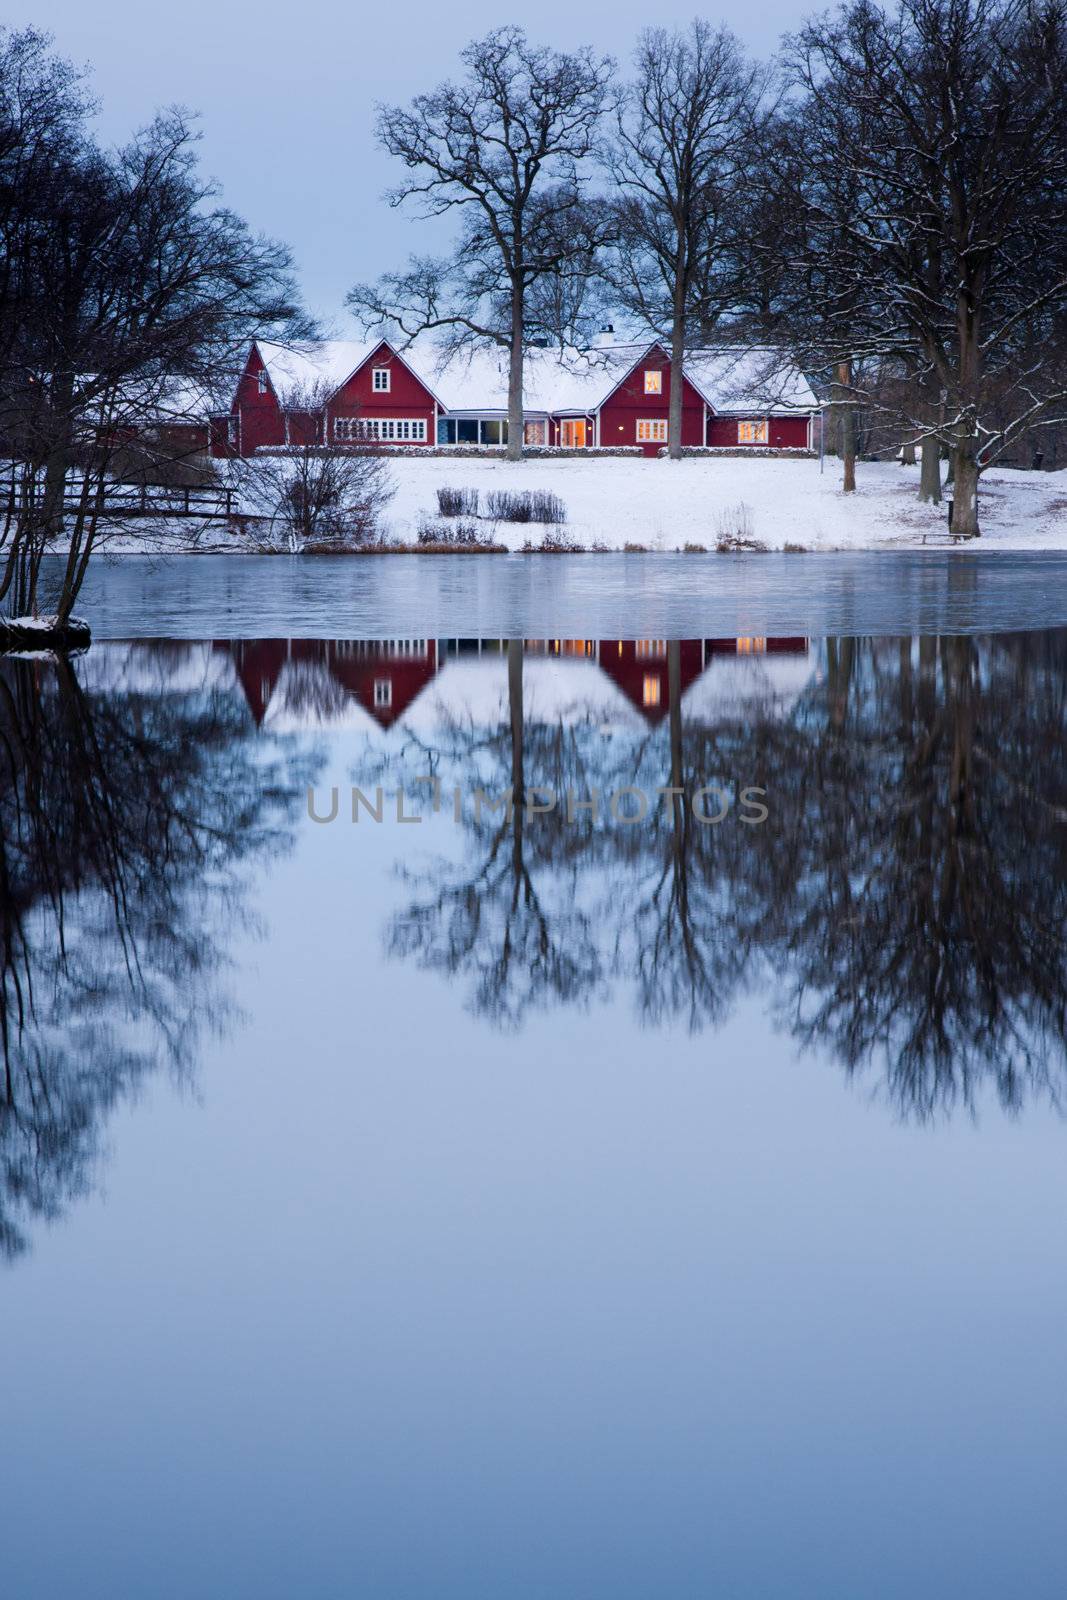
(341, 392)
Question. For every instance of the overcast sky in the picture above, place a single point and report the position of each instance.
(286, 95)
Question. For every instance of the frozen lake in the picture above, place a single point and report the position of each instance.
(195, 597)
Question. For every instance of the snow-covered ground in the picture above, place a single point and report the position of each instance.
(665, 505)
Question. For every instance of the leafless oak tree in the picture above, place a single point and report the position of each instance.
(506, 147)
(685, 132)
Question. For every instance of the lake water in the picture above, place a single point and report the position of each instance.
(633, 1166)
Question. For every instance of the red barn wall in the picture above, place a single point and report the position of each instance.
(261, 415)
(783, 433)
(629, 664)
(407, 396)
(630, 404)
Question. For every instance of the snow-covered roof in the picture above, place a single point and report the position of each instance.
(749, 380)
(741, 686)
(554, 381)
(328, 363)
(555, 689)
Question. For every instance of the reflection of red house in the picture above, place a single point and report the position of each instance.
(384, 676)
(639, 667)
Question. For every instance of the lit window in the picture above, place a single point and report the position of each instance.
(751, 646)
(383, 693)
(653, 383)
(648, 649)
(261, 380)
(380, 381)
(535, 433)
(652, 430)
(650, 690)
(390, 430)
(752, 433)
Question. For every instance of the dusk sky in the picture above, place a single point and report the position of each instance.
(287, 93)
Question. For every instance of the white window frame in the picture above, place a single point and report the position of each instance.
(753, 431)
(653, 380)
(383, 694)
(652, 430)
(261, 381)
(379, 430)
(376, 383)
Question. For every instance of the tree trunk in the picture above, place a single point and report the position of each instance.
(674, 410)
(930, 409)
(965, 490)
(518, 765)
(848, 428)
(930, 471)
(965, 434)
(907, 454)
(515, 414)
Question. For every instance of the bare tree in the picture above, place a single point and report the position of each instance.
(119, 276)
(504, 147)
(684, 136)
(308, 494)
(933, 214)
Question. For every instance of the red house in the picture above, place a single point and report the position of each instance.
(341, 392)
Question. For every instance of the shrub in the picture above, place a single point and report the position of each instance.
(735, 523)
(730, 542)
(529, 505)
(555, 543)
(462, 535)
(457, 502)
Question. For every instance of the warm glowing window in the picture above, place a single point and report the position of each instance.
(652, 430)
(352, 430)
(650, 690)
(535, 433)
(383, 692)
(752, 433)
(647, 649)
(751, 646)
(381, 380)
(653, 383)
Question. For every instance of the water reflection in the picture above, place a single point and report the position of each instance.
(903, 905)
(901, 909)
(133, 808)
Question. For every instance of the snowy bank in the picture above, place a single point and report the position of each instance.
(666, 505)
(662, 505)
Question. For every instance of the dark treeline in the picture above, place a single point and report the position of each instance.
(885, 201)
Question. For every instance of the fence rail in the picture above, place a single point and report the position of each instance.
(129, 499)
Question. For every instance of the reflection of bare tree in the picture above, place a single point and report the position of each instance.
(905, 903)
(934, 895)
(125, 823)
(507, 918)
